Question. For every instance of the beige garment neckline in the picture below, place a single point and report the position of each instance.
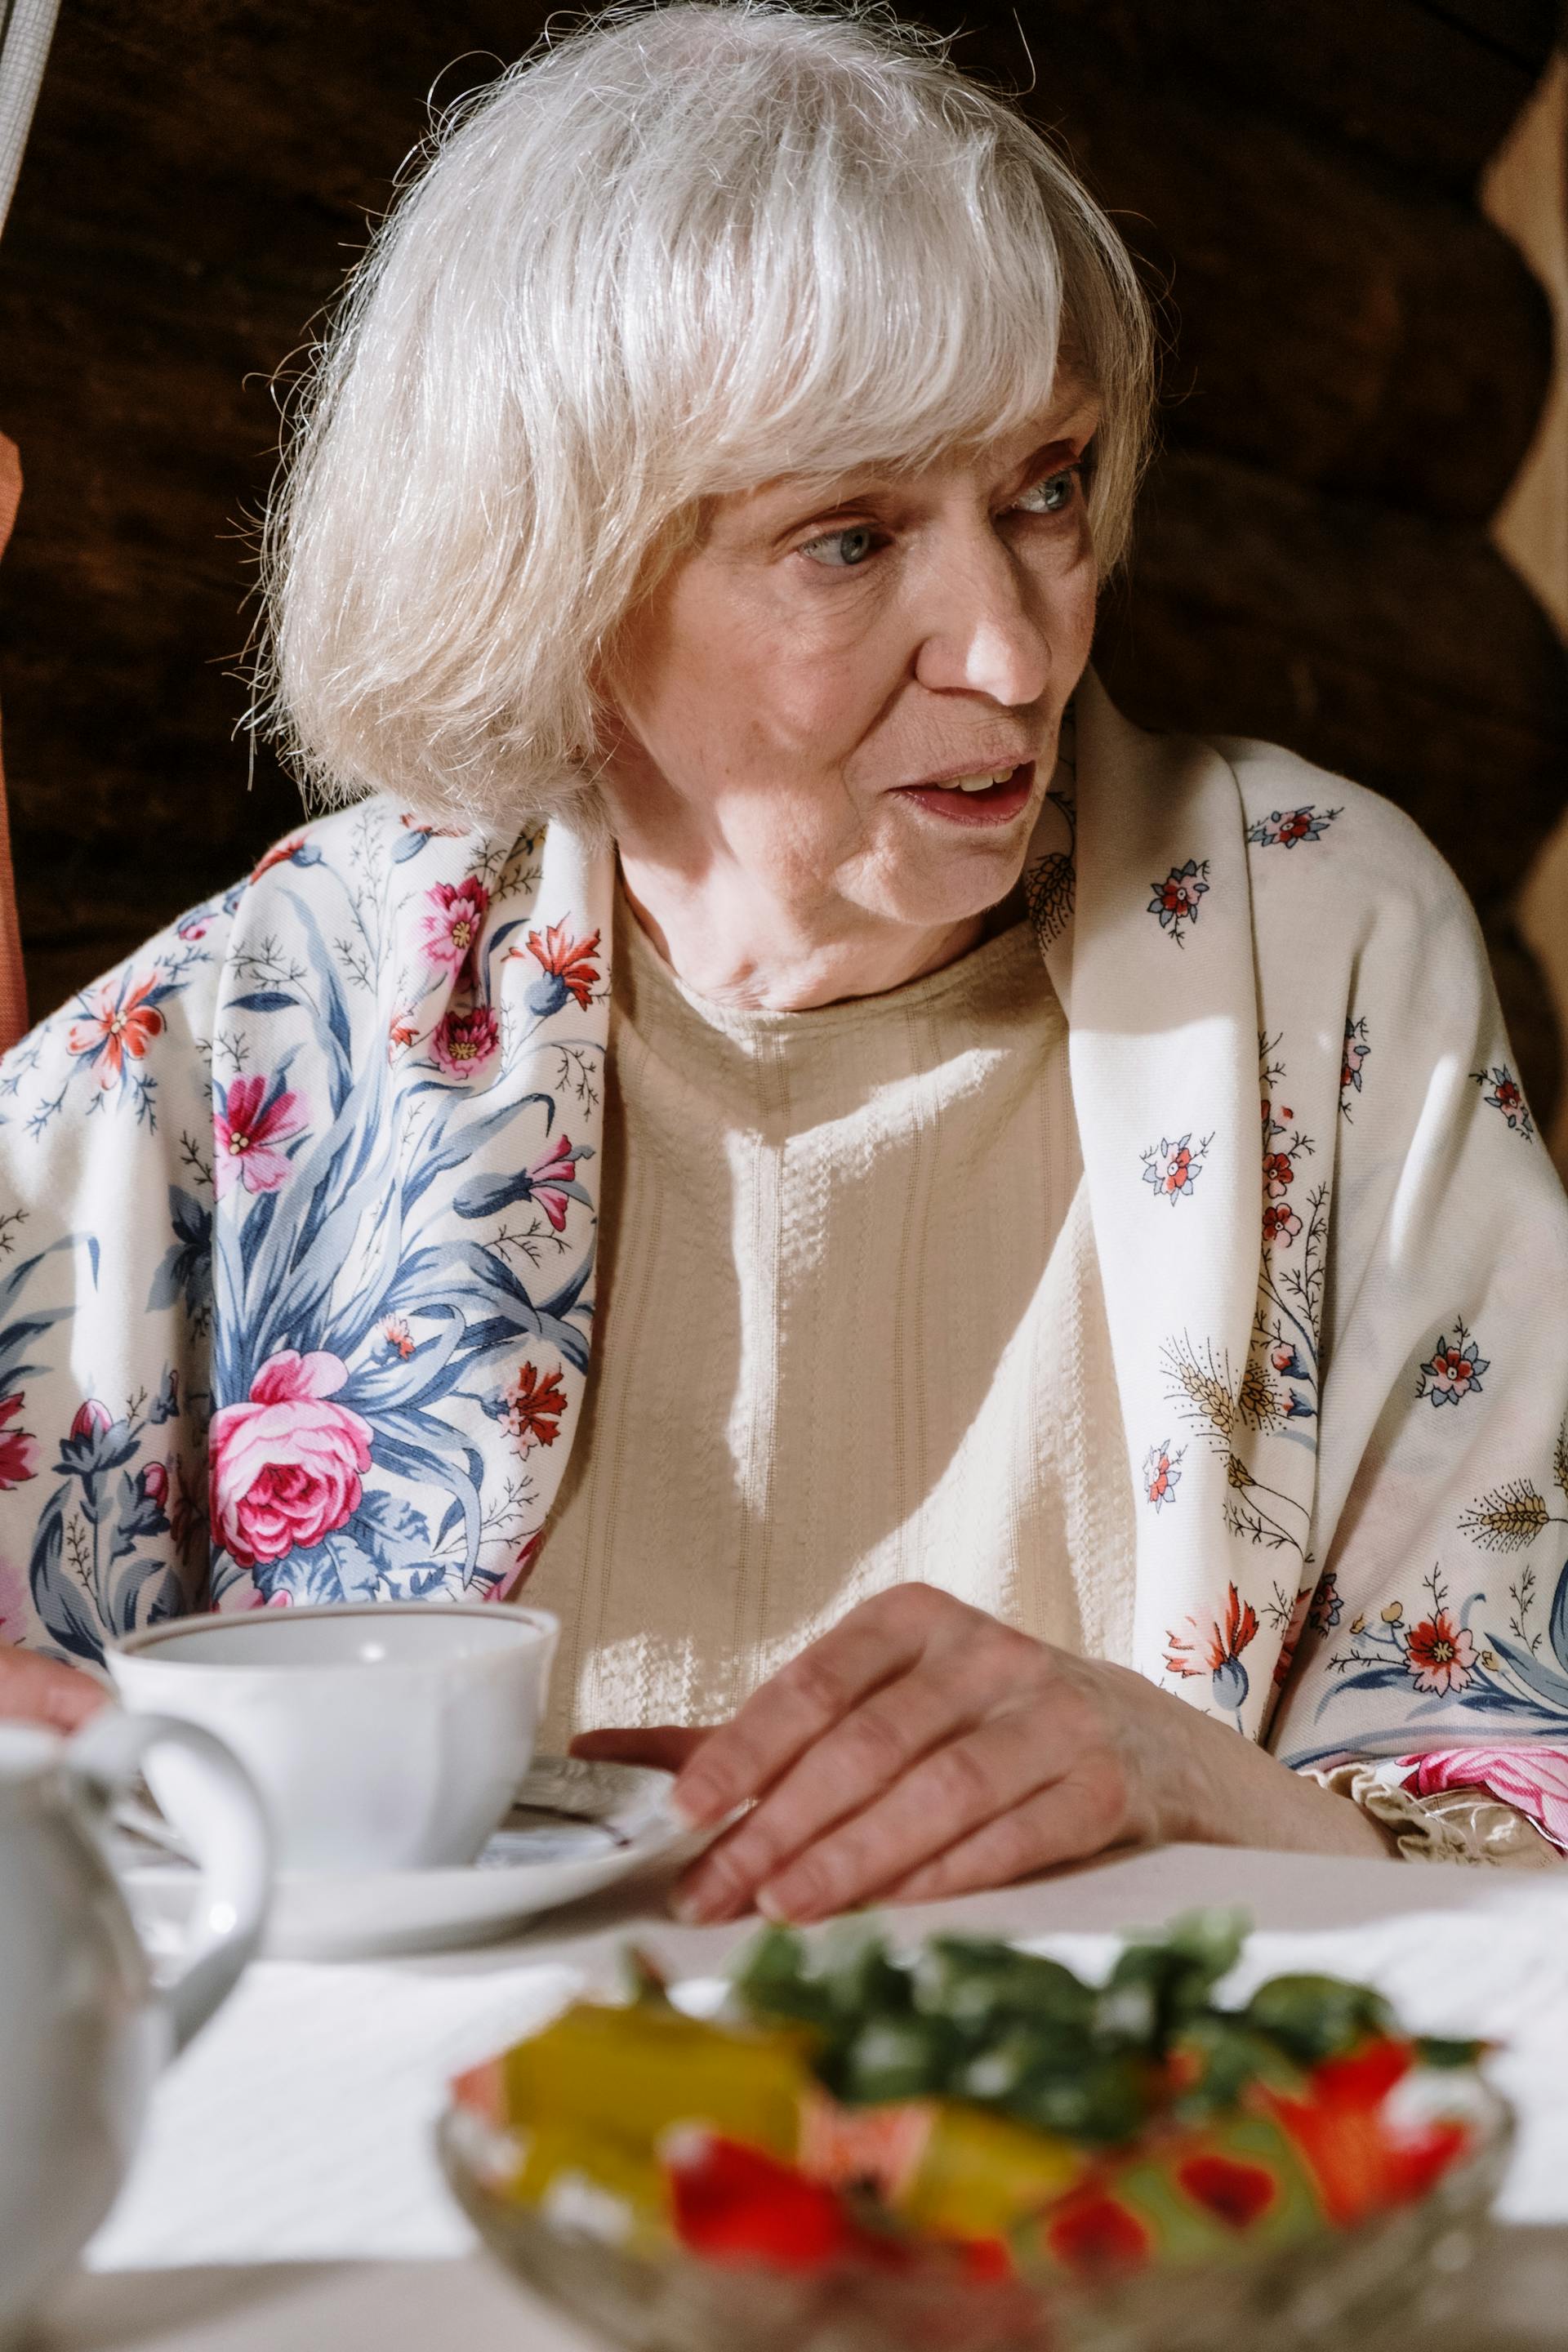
(662, 988)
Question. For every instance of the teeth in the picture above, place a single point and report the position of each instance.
(978, 783)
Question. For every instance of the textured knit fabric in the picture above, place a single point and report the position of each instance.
(849, 1333)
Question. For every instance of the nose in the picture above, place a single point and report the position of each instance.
(980, 635)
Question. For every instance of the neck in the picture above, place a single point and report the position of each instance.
(744, 947)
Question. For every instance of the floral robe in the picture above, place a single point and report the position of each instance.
(298, 1215)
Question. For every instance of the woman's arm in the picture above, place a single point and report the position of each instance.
(106, 1184)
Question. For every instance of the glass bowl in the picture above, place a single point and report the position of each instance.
(1339, 2290)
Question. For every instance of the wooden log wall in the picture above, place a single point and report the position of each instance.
(1357, 363)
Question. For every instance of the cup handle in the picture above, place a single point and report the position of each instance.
(103, 1760)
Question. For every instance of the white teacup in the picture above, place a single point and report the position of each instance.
(381, 1736)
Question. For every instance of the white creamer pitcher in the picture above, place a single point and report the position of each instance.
(83, 2030)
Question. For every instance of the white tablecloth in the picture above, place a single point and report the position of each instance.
(298, 2128)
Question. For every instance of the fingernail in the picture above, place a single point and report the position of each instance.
(697, 1804)
(771, 1909)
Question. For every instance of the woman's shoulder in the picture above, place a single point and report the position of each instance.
(1319, 840)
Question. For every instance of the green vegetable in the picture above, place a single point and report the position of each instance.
(972, 2018)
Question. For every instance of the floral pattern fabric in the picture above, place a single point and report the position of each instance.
(297, 1223)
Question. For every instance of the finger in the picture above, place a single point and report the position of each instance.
(41, 1690)
(1066, 1822)
(861, 1759)
(666, 1745)
(957, 1790)
(879, 1639)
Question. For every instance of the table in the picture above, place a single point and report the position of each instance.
(286, 2195)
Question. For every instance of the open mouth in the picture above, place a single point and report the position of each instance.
(992, 797)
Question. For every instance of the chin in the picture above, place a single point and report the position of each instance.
(927, 885)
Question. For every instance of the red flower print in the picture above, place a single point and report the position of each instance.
(1217, 1653)
(1281, 1223)
(1295, 826)
(533, 1409)
(1278, 1174)
(560, 1164)
(462, 1041)
(118, 1027)
(154, 1480)
(522, 1566)
(566, 968)
(1506, 1098)
(1235, 2193)
(1453, 1369)
(1090, 2232)
(400, 1036)
(92, 1419)
(1440, 1654)
(398, 1336)
(247, 1133)
(456, 918)
(1161, 1473)
(282, 853)
(18, 1450)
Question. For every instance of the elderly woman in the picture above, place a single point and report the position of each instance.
(1078, 1295)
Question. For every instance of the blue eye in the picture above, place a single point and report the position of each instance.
(853, 546)
(1053, 495)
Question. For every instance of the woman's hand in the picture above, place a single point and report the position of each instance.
(921, 1748)
(40, 1690)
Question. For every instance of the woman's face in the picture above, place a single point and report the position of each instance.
(792, 705)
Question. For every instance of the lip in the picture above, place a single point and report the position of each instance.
(972, 767)
(977, 809)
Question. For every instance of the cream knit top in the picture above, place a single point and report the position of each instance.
(848, 1332)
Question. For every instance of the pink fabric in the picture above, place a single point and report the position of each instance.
(1534, 1781)
(13, 983)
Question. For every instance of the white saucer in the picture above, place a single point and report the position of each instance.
(575, 1827)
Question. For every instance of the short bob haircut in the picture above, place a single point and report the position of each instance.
(686, 250)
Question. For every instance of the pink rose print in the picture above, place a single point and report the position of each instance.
(248, 1131)
(92, 1419)
(453, 924)
(560, 1162)
(462, 1041)
(287, 1466)
(1440, 1654)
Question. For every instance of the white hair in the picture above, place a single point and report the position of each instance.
(686, 250)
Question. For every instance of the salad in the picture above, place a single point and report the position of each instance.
(975, 2106)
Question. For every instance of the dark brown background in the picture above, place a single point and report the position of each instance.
(1358, 362)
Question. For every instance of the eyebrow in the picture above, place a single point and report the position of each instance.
(856, 489)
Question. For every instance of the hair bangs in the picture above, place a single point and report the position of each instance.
(686, 250)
